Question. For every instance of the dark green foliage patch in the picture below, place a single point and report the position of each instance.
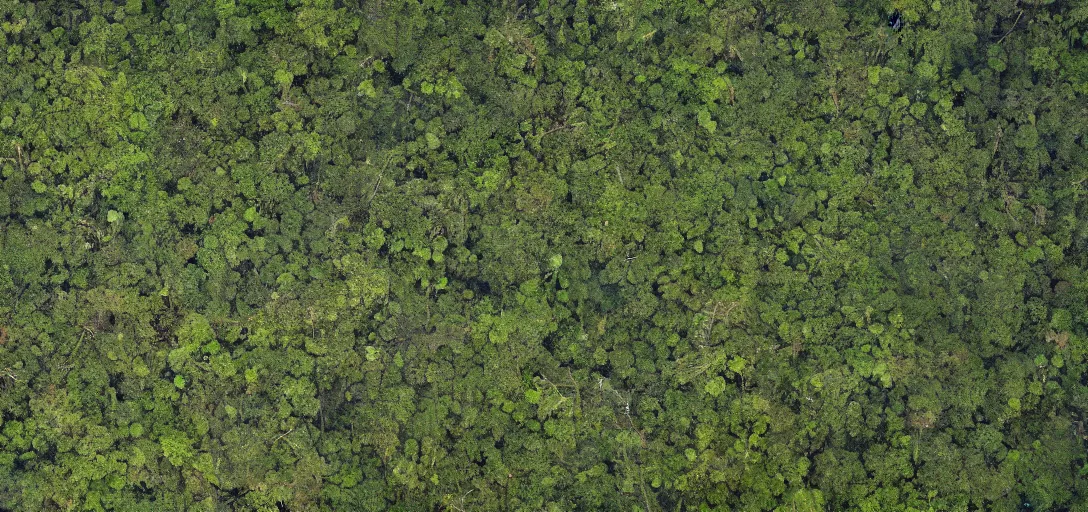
(543, 255)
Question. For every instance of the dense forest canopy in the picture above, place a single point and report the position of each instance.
(657, 255)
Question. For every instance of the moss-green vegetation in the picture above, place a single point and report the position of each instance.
(543, 255)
